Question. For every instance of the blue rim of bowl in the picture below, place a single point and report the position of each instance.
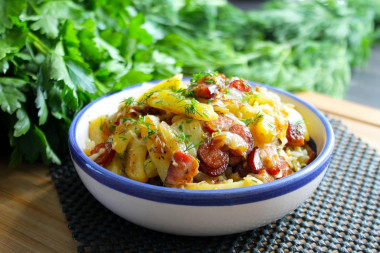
(223, 197)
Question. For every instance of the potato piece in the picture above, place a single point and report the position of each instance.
(175, 103)
(191, 128)
(174, 82)
(150, 169)
(169, 137)
(95, 130)
(134, 161)
(158, 151)
(234, 107)
(264, 130)
(116, 165)
(123, 135)
(248, 111)
(263, 96)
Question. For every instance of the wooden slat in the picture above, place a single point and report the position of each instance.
(368, 133)
(349, 110)
(31, 218)
(361, 120)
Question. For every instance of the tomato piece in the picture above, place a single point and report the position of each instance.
(205, 91)
(104, 152)
(273, 170)
(182, 169)
(295, 135)
(240, 85)
(222, 123)
(245, 133)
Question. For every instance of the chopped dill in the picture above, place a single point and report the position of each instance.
(200, 75)
(247, 122)
(101, 125)
(148, 125)
(247, 96)
(128, 101)
(191, 109)
(192, 145)
(146, 96)
(121, 155)
(252, 120)
(299, 125)
(125, 119)
(191, 93)
(183, 93)
(111, 127)
(185, 138)
(209, 81)
(121, 137)
(136, 130)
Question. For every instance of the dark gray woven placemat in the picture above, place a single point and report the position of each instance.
(343, 215)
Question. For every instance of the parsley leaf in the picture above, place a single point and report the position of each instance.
(51, 13)
(11, 95)
(8, 9)
(23, 123)
(80, 76)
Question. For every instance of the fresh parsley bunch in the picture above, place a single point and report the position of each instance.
(56, 56)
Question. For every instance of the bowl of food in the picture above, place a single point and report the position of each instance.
(204, 156)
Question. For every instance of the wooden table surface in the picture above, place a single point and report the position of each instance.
(31, 218)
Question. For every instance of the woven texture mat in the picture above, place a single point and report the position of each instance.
(343, 215)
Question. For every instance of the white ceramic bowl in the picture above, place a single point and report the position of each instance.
(199, 212)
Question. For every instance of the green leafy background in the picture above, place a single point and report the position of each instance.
(56, 56)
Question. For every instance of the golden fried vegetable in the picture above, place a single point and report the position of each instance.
(116, 165)
(158, 150)
(174, 83)
(173, 102)
(150, 168)
(95, 130)
(123, 135)
(134, 160)
(169, 137)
